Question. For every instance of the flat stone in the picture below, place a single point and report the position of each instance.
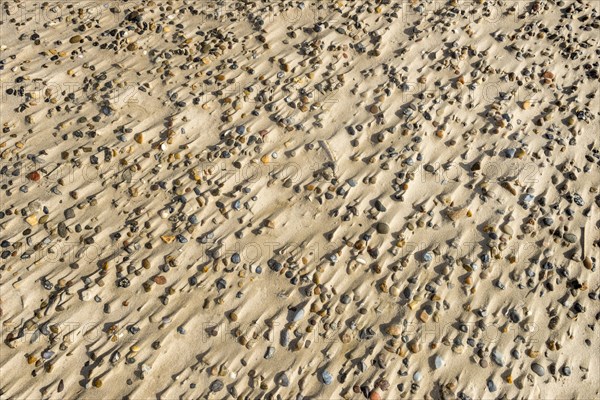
(382, 228)
(438, 362)
(326, 377)
(497, 358)
(538, 369)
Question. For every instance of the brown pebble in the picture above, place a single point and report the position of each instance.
(34, 176)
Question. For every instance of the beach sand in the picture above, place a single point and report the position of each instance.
(299, 200)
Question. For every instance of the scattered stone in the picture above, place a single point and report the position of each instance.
(382, 228)
(538, 369)
(326, 377)
(438, 362)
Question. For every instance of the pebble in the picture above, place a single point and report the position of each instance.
(438, 362)
(382, 228)
(34, 176)
(538, 369)
(417, 376)
(69, 213)
(284, 380)
(298, 315)
(216, 386)
(270, 352)
(326, 377)
(497, 357)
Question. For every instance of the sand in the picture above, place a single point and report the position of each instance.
(299, 200)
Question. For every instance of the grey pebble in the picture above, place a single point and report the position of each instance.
(284, 380)
(538, 369)
(326, 377)
(438, 362)
(298, 315)
(62, 230)
(216, 386)
(382, 228)
(418, 376)
(497, 357)
(69, 213)
(270, 352)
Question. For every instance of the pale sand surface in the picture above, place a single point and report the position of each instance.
(461, 139)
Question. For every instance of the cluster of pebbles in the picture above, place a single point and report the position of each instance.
(300, 200)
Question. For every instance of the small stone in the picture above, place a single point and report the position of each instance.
(423, 316)
(497, 357)
(284, 380)
(382, 228)
(414, 346)
(76, 39)
(216, 386)
(298, 315)
(570, 237)
(32, 220)
(508, 230)
(69, 213)
(270, 352)
(417, 376)
(86, 295)
(510, 153)
(538, 369)
(394, 330)
(159, 280)
(48, 354)
(34, 176)
(168, 238)
(379, 205)
(438, 362)
(374, 395)
(326, 377)
(62, 230)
